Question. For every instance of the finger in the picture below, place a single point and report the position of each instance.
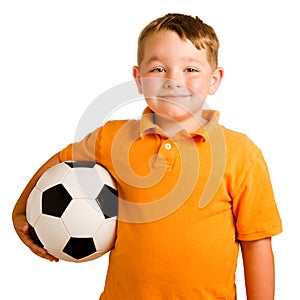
(42, 252)
(23, 231)
(25, 227)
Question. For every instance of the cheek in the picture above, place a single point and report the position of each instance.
(198, 87)
(151, 86)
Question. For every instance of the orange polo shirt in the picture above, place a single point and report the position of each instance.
(185, 202)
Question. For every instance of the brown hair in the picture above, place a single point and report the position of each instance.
(194, 29)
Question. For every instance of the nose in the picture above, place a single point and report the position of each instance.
(172, 84)
(173, 81)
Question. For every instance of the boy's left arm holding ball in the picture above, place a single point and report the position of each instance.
(19, 213)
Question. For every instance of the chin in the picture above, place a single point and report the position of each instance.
(175, 116)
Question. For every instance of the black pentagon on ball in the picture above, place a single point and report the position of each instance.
(55, 200)
(80, 164)
(79, 248)
(108, 201)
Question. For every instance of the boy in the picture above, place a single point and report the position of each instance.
(191, 191)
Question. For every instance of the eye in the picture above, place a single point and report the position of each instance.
(191, 70)
(158, 70)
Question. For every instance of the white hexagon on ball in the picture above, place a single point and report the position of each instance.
(57, 237)
(89, 218)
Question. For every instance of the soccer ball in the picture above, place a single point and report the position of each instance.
(72, 211)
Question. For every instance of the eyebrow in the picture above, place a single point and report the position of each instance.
(186, 59)
(153, 58)
(192, 59)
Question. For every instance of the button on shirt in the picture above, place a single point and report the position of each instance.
(168, 146)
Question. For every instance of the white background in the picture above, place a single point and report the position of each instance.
(58, 56)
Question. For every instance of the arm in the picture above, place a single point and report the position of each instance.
(19, 213)
(259, 269)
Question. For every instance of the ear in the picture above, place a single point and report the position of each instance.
(216, 80)
(137, 78)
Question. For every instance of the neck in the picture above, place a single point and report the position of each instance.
(171, 126)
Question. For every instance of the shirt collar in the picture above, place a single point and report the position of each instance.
(147, 125)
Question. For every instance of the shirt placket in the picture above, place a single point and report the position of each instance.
(166, 155)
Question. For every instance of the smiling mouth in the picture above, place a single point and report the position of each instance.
(174, 97)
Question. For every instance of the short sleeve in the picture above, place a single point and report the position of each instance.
(88, 149)
(254, 206)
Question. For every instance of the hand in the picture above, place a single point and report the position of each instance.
(22, 229)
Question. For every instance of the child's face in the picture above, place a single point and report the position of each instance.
(174, 76)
